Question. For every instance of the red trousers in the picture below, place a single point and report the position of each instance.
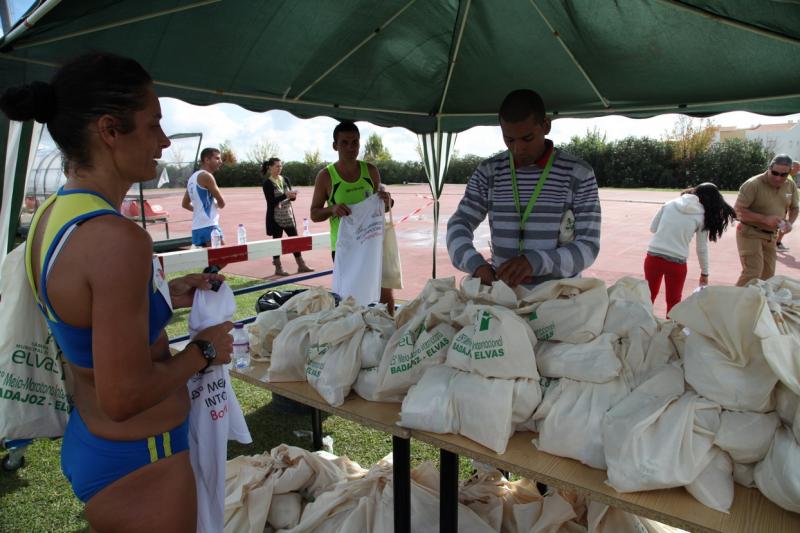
(674, 275)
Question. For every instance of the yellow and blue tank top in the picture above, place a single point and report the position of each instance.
(70, 209)
(344, 192)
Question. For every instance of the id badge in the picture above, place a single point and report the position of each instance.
(160, 282)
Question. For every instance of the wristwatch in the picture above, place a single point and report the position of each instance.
(208, 351)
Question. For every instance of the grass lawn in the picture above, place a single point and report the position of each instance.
(37, 497)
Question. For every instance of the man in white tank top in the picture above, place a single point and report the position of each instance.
(203, 198)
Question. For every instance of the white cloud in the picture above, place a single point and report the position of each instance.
(296, 136)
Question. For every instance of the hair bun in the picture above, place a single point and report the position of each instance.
(44, 98)
(34, 101)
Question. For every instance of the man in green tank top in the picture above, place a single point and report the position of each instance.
(347, 181)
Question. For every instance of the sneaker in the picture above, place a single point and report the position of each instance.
(782, 247)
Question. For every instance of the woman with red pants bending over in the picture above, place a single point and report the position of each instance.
(701, 210)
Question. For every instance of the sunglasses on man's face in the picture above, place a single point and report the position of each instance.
(781, 174)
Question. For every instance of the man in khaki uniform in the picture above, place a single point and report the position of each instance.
(766, 203)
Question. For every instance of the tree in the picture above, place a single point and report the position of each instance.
(227, 154)
(374, 149)
(312, 158)
(262, 150)
(690, 137)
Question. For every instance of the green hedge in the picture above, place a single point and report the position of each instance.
(644, 162)
(628, 163)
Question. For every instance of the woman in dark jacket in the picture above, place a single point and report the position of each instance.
(280, 216)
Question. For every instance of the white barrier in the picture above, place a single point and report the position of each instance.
(199, 258)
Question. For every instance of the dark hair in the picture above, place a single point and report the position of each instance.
(718, 214)
(345, 125)
(520, 104)
(208, 152)
(82, 91)
(268, 163)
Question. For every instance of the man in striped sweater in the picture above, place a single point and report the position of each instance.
(543, 206)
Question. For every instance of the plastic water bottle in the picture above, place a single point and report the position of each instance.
(306, 229)
(216, 238)
(241, 234)
(241, 347)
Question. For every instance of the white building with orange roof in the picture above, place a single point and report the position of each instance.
(781, 138)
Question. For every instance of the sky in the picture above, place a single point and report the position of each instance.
(294, 137)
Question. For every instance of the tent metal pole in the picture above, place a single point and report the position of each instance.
(110, 25)
(575, 61)
(662, 108)
(734, 23)
(220, 92)
(354, 50)
(5, 16)
(28, 22)
(453, 60)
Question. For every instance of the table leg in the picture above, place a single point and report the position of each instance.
(448, 489)
(316, 429)
(401, 480)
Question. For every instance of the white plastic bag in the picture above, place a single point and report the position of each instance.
(263, 330)
(594, 361)
(392, 274)
(494, 342)
(497, 294)
(714, 486)
(778, 475)
(570, 418)
(433, 292)
(566, 310)
(290, 349)
(740, 387)
(418, 345)
(313, 300)
(357, 266)
(746, 436)
(659, 436)
(429, 404)
(34, 401)
(484, 406)
(333, 356)
(379, 329)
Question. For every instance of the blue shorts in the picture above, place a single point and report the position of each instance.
(92, 463)
(202, 236)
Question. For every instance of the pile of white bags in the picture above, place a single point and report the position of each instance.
(268, 324)
(659, 436)
(488, 384)
(421, 342)
(296, 491)
(569, 419)
(271, 489)
(494, 342)
(329, 348)
(486, 410)
(567, 310)
(723, 358)
(431, 294)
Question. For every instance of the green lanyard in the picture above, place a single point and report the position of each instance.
(532, 201)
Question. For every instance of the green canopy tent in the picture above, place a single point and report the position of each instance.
(432, 66)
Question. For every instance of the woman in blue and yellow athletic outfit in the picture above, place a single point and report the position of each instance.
(125, 449)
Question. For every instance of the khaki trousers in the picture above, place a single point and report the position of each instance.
(757, 256)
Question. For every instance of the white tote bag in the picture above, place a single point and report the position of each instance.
(357, 268)
(392, 277)
(33, 396)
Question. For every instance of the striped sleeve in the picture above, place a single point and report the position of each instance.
(470, 213)
(569, 259)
